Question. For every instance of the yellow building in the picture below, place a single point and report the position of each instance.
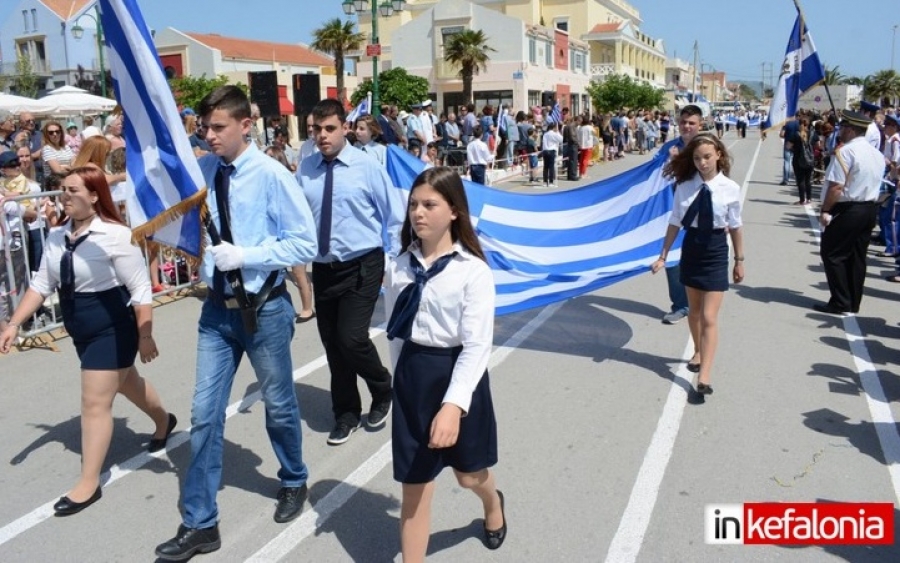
(610, 27)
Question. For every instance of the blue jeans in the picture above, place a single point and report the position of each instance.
(221, 343)
(787, 168)
(677, 292)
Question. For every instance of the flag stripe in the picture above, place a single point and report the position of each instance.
(801, 71)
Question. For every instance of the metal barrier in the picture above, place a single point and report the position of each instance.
(19, 244)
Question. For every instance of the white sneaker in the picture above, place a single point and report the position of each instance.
(552, 186)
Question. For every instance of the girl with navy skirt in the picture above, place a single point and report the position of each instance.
(440, 295)
(104, 293)
(708, 205)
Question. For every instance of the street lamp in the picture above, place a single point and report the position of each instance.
(78, 32)
(386, 9)
(893, 43)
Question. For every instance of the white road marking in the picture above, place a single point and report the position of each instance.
(127, 467)
(306, 525)
(629, 536)
(879, 407)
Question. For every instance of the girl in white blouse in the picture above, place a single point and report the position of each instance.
(106, 301)
(367, 130)
(440, 295)
(708, 205)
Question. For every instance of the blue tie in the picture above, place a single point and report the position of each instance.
(67, 269)
(701, 208)
(222, 184)
(400, 325)
(327, 197)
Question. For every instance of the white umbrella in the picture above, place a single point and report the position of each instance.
(19, 104)
(70, 100)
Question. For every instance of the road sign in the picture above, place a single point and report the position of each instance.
(373, 50)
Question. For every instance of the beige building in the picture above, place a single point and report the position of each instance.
(611, 29)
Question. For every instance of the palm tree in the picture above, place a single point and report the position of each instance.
(469, 50)
(834, 76)
(337, 38)
(883, 87)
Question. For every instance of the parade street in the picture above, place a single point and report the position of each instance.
(605, 452)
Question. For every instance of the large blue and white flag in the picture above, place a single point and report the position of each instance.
(548, 247)
(800, 71)
(168, 185)
(555, 114)
(360, 110)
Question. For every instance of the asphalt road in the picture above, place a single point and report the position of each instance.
(604, 455)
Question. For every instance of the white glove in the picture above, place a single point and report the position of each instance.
(227, 256)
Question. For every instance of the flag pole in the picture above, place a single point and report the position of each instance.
(802, 30)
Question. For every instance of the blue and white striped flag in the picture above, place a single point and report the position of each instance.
(801, 71)
(555, 114)
(360, 110)
(168, 185)
(550, 247)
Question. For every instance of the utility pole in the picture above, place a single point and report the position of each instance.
(694, 78)
(893, 43)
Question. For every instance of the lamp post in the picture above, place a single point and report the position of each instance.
(893, 43)
(387, 9)
(78, 32)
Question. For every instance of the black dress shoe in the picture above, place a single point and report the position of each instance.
(189, 542)
(693, 367)
(829, 308)
(704, 389)
(493, 539)
(157, 444)
(290, 503)
(67, 507)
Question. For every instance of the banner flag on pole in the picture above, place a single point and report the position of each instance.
(555, 114)
(800, 71)
(360, 110)
(548, 247)
(169, 190)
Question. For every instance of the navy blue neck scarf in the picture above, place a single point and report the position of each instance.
(400, 325)
(701, 208)
(66, 268)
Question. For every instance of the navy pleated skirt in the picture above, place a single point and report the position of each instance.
(704, 265)
(420, 382)
(103, 328)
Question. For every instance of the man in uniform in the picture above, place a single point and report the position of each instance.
(848, 214)
(873, 131)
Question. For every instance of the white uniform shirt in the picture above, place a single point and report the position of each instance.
(892, 148)
(863, 164)
(477, 152)
(457, 308)
(551, 141)
(376, 151)
(726, 201)
(873, 135)
(107, 259)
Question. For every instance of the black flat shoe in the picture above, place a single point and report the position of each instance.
(829, 308)
(704, 389)
(67, 507)
(493, 539)
(693, 368)
(157, 444)
(300, 319)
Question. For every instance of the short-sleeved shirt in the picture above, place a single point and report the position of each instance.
(858, 166)
(726, 201)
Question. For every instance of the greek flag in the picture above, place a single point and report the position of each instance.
(168, 186)
(359, 111)
(548, 247)
(801, 71)
(555, 114)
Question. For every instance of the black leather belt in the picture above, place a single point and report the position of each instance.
(231, 302)
(337, 265)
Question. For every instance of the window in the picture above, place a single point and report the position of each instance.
(561, 24)
(33, 51)
(534, 99)
(548, 54)
(34, 20)
(25, 20)
(532, 50)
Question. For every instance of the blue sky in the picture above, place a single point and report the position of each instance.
(737, 37)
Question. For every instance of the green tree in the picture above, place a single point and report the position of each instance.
(620, 90)
(747, 93)
(397, 87)
(834, 76)
(189, 90)
(27, 82)
(469, 50)
(337, 38)
(883, 87)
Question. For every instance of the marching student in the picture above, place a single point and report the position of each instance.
(440, 295)
(707, 204)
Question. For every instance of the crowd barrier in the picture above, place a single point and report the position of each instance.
(20, 244)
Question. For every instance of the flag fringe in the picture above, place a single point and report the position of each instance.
(140, 233)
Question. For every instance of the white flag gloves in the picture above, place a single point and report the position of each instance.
(227, 256)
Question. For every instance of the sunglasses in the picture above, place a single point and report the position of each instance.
(12, 165)
(54, 131)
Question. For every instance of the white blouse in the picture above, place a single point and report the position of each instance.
(457, 308)
(726, 201)
(107, 259)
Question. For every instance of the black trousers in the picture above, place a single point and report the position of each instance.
(345, 295)
(570, 152)
(804, 182)
(843, 251)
